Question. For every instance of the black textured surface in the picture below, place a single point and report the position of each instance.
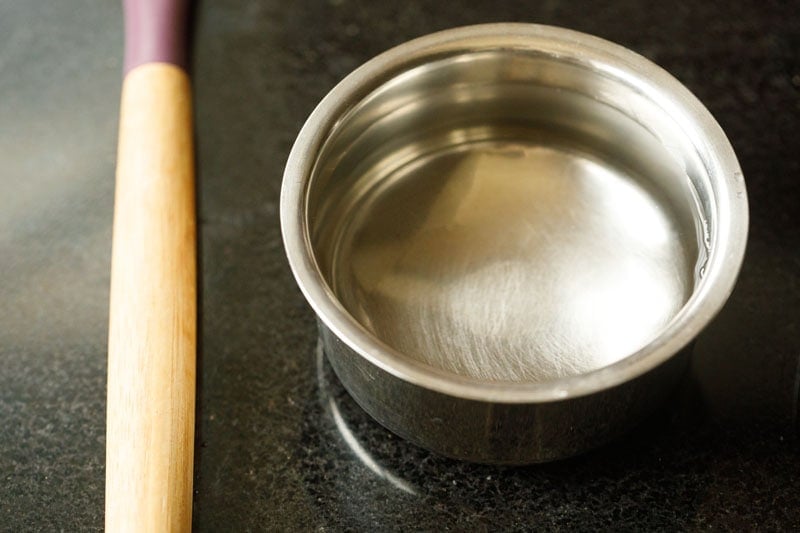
(280, 445)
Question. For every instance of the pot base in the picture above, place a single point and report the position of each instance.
(512, 260)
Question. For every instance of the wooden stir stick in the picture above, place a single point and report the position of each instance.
(152, 324)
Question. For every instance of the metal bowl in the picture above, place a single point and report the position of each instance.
(510, 234)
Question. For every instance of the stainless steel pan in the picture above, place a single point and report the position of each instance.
(510, 234)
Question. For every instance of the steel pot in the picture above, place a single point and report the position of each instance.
(510, 234)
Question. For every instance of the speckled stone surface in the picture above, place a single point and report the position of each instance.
(280, 445)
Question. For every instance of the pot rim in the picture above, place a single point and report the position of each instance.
(724, 175)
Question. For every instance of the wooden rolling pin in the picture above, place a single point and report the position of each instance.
(152, 323)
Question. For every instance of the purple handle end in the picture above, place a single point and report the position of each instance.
(155, 32)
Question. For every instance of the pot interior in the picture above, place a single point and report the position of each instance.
(509, 216)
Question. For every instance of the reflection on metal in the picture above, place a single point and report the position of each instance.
(514, 262)
(347, 434)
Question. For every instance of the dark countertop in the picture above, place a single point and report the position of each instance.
(280, 445)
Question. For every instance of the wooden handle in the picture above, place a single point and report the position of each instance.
(152, 330)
